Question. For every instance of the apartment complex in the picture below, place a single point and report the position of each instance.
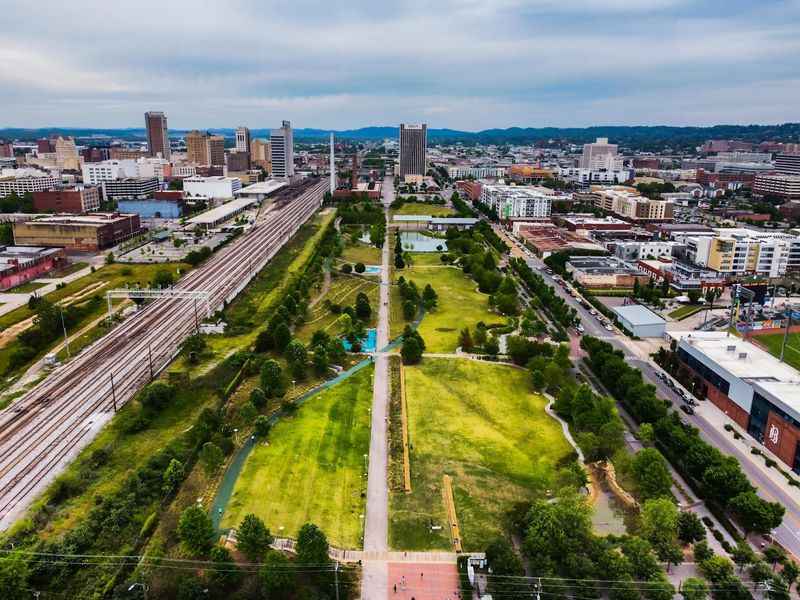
(744, 251)
(461, 172)
(79, 199)
(281, 143)
(413, 148)
(131, 187)
(518, 202)
(788, 164)
(157, 134)
(20, 181)
(784, 186)
(628, 204)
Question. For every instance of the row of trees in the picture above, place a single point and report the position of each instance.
(413, 300)
(555, 306)
(718, 477)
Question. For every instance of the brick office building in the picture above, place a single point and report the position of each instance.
(84, 233)
(79, 199)
(752, 387)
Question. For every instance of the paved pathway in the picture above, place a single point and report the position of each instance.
(375, 582)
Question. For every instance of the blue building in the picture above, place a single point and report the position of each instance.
(149, 209)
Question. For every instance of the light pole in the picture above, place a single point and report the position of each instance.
(64, 327)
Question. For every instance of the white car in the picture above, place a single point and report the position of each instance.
(609, 327)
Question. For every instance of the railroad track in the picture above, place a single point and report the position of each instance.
(47, 427)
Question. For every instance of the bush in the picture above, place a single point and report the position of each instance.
(360, 268)
(346, 268)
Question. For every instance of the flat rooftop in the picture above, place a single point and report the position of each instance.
(262, 188)
(602, 265)
(96, 219)
(221, 213)
(636, 314)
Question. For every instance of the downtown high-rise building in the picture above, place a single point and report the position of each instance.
(413, 144)
(157, 134)
(282, 147)
(216, 150)
(242, 139)
(197, 148)
(600, 156)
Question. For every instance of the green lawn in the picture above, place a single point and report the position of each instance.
(460, 305)
(423, 208)
(361, 252)
(343, 291)
(685, 311)
(26, 288)
(311, 469)
(774, 342)
(430, 259)
(479, 423)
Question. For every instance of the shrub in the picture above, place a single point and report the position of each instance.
(360, 268)
(346, 268)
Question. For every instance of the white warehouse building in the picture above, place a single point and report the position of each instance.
(518, 202)
(212, 187)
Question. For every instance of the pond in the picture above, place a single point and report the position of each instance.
(608, 516)
(419, 242)
(368, 344)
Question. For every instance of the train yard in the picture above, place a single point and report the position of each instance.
(42, 431)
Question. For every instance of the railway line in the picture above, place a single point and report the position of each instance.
(42, 431)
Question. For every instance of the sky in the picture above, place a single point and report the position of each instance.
(460, 64)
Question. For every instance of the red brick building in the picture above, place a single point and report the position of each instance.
(77, 200)
(19, 264)
(723, 179)
(470, 189)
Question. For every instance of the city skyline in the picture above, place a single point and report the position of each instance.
(495, 64)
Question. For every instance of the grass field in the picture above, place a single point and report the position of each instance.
(423, 208)
(27, 287)
(343, 291)
(499, 447)
(460, 305)
(774, 342)
(312, 468)
(361, 252)
(426, 259)
(685, 311)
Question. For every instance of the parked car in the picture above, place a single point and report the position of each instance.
(609, 327)
(687, 409)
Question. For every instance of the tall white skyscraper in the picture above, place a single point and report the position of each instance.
(242, 139)
(282, 146)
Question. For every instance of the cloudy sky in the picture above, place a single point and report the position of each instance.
(463, 64)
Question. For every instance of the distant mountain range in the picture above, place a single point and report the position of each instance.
(637, 136)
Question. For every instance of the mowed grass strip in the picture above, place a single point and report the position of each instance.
(460, 305)
(481, 424)
(424, 208)
(363, 253)
(311, 469)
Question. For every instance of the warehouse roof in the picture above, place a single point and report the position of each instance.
(221, 213)
(636, 315)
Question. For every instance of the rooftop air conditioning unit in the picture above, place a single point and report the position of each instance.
(730, 349)
(742, 355)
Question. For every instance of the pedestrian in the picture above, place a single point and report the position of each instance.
(395, 588)
(421, 574)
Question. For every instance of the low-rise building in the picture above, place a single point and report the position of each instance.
(131, 188)
(640, 321)
(419, 222)
(655, 249)
(545, 239)
(782, 186)
(604, 272)
(19, 264)
(87, 233)
(21, 181)
(752, 387)
(682, 276)
(588, 222)
(79, 199)
(153, 208)
(225, 212)
(214, 187)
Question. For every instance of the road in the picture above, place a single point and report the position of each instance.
(45, 429)
(788, 534)
(375, 582)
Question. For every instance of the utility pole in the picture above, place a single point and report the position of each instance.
(113, 392)
(788, 315)
(66, 339)
(336, 568)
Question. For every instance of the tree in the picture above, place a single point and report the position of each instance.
(690, 528)
(646, 433)
(226, 572)
(790, 572)
(272, 381)
(409, 310)
(110, 258)
(774, 555)
(694, 588)
(13, 576)
(282, 336)
(743, 554)
(212, 457)
(195, 530)
(756, 514)
(701, 551)
(312, 546)
(297, 357)
(492, 346)
(346, 268)
(465, 340)
(163, 279)
(660, 526)
(172, 477)
(506, 567)
(652, 473)
(262, 425)
(694, 296)
(429, 298)
(156, 395)
(194, 346)
(321, 363)
(399, 263)
(276, 575)
(360, 268)
(537, 379)
(253, 538)
(265, 340)
(363, 309)
(258, 398)
(411, 351)
(643, 560)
